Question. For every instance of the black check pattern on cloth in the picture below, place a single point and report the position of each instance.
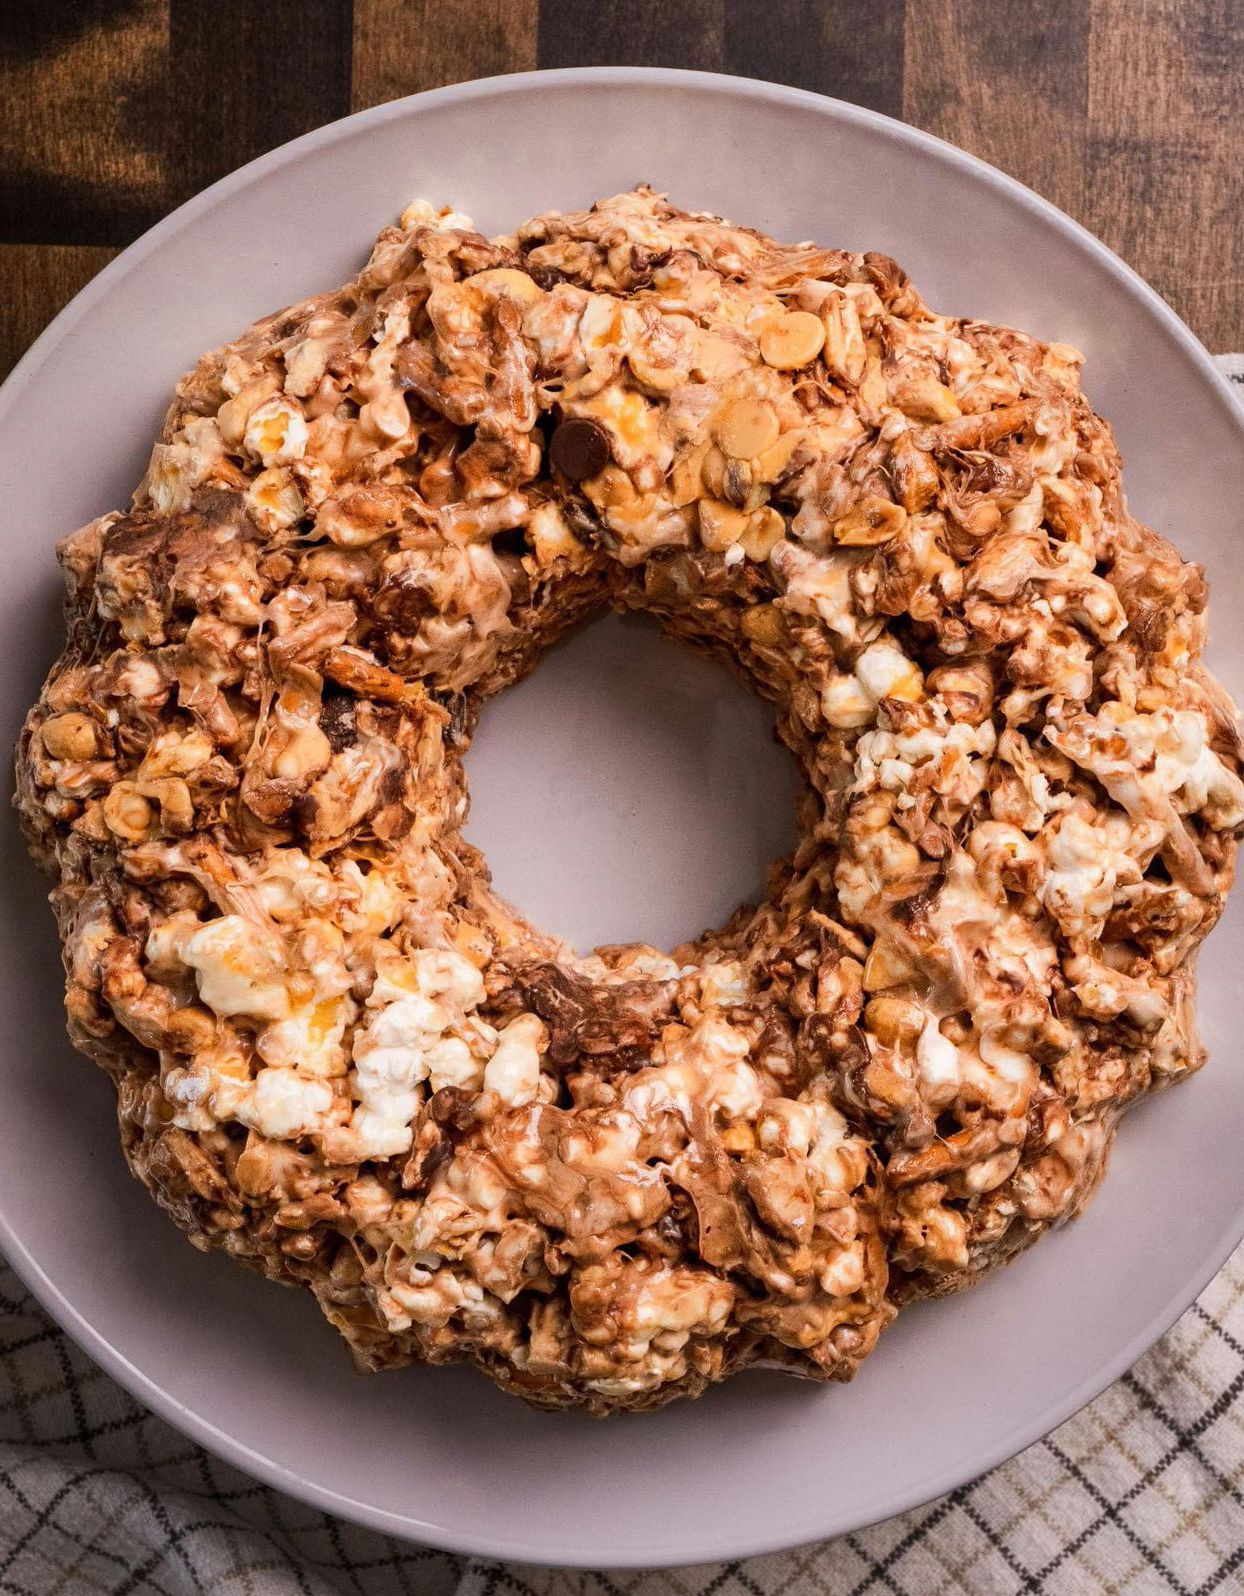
(1140, 1493)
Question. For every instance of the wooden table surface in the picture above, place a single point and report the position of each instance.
(1127, 113)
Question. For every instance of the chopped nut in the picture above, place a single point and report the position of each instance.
(510, 281)
(713, 468)
(765, 529)
(884, 967)
(69, 736)
(302, 751)
(738, 1139)
(720, 524)
(762, 623)
(872, 386)
(914, 475)
(925, 399)
(869, 522)
(613, 488)
(846, 350)
(770, 465)
(686, 482)
(894, 1020)
(191, 1029)
(127, 814)
(386, 419)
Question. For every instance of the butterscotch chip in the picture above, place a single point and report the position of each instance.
(661, 359)
(746, 428)
(792, 341)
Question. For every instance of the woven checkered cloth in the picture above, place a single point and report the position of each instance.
(1142, 1493)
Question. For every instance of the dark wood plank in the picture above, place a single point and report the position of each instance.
(403, 46)
(81, 113)
(1166, 152)
(248, 76)
(1008, 82)
(633, 33)
(1125, 112)
(35, 281)
(839, 47)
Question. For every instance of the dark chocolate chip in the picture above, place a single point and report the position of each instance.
(337, 719)
(583, 522)
(579, 448)
(510, 542)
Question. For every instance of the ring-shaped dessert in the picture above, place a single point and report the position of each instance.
(611, 1179)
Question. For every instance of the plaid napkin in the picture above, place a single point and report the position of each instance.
(1142, 1492)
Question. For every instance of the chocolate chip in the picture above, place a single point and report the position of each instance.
(582, 521)
(579, 448)
(453, 1107)
(337, 718)
(510, 542)
(547, 277)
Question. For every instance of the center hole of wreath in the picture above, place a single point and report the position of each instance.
(629, 790)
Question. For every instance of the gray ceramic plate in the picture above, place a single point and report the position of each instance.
(615, 784)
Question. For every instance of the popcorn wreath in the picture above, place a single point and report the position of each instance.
(610, 1180)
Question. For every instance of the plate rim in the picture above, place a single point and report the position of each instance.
(409, 1527)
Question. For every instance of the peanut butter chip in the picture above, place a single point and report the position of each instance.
(747, 428)
(793, 340)
(579, 448)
